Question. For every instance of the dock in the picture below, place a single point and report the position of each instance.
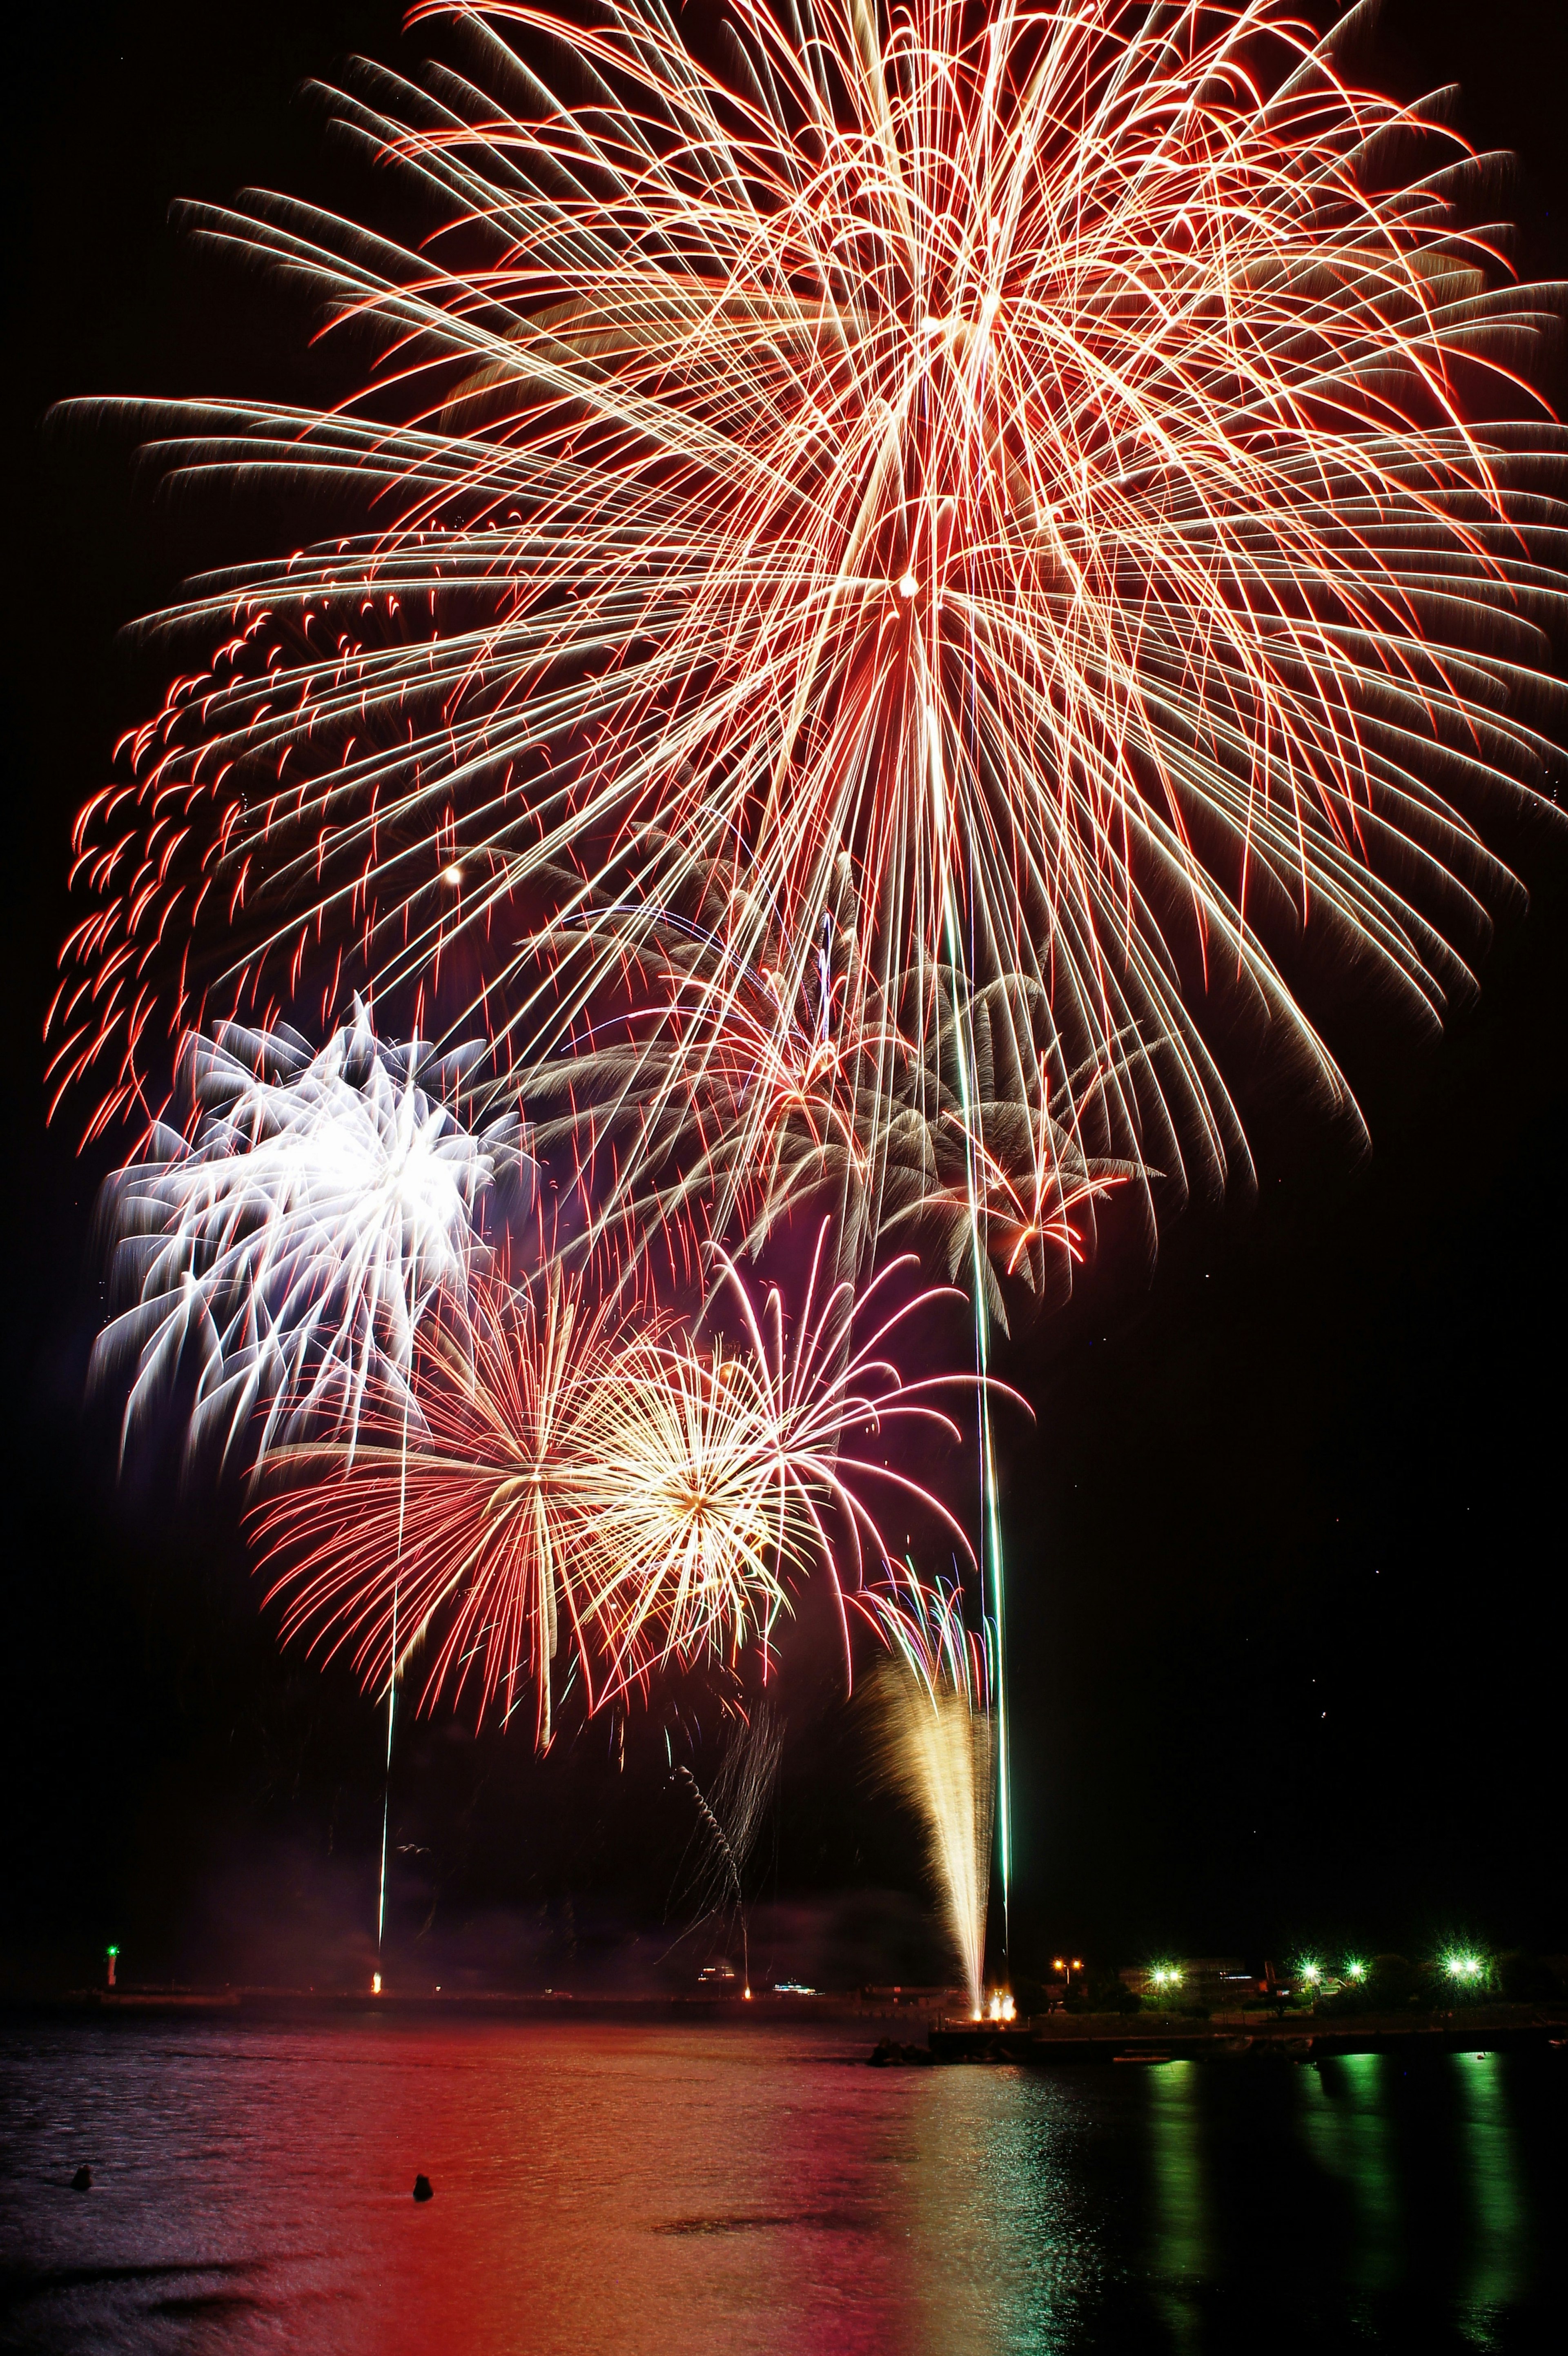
(1061, 2038)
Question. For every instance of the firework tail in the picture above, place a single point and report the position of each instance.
(733, 1812)
(392, 1680)
(721, 1843)
(990, 1563)
(937, 1751)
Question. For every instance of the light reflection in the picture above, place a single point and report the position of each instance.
(665, 2189)
(1345, 2123)
(998, 2215)
(1182, 2241)
(1498, 2252)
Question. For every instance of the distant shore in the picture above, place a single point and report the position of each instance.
(916, 2010)
(910, 2024)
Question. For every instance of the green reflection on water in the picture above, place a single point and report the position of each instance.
(1182, 2249)
(1345, 2123)
(1499, 2254)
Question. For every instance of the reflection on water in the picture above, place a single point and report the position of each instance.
(663, 2188)
(1181, 2257)
(1499, 2252)
(1347, 2108)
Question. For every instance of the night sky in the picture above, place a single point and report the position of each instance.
(1288, 1633)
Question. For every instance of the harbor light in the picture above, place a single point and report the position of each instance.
(375, 1983)
(1464, 1967)
(1355, 1970)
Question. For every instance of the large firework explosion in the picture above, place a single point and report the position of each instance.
(995, 492)
(901, 574)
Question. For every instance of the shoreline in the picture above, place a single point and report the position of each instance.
(897, 2021)
(915, 2013)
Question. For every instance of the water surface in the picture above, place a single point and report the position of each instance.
(665, 2189)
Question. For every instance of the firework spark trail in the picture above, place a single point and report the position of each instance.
(937, 1732)
(732, 1812)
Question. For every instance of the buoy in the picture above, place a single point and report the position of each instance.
(423, 2189)
(82, 2180)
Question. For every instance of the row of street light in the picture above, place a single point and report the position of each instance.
(1461, 1964)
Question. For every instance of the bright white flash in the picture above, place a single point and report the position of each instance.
(295, 1244)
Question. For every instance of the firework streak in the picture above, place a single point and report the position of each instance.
(935, 1729)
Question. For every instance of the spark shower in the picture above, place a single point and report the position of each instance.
(897, 579)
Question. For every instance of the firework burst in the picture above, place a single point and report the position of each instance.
(1002, 481)
(296, 1242)
(581, 1472)
(473, 1541)
(703, 1106)
(738, 1464)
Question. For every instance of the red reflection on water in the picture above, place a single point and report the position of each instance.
(748, 2191)
(594, 2186)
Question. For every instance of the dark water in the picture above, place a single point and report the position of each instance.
(735, 2189)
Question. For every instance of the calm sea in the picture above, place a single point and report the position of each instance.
(668, 2189)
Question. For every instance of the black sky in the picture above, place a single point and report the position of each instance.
(1288, 1629)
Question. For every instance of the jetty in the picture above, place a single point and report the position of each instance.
(1056, 2038)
